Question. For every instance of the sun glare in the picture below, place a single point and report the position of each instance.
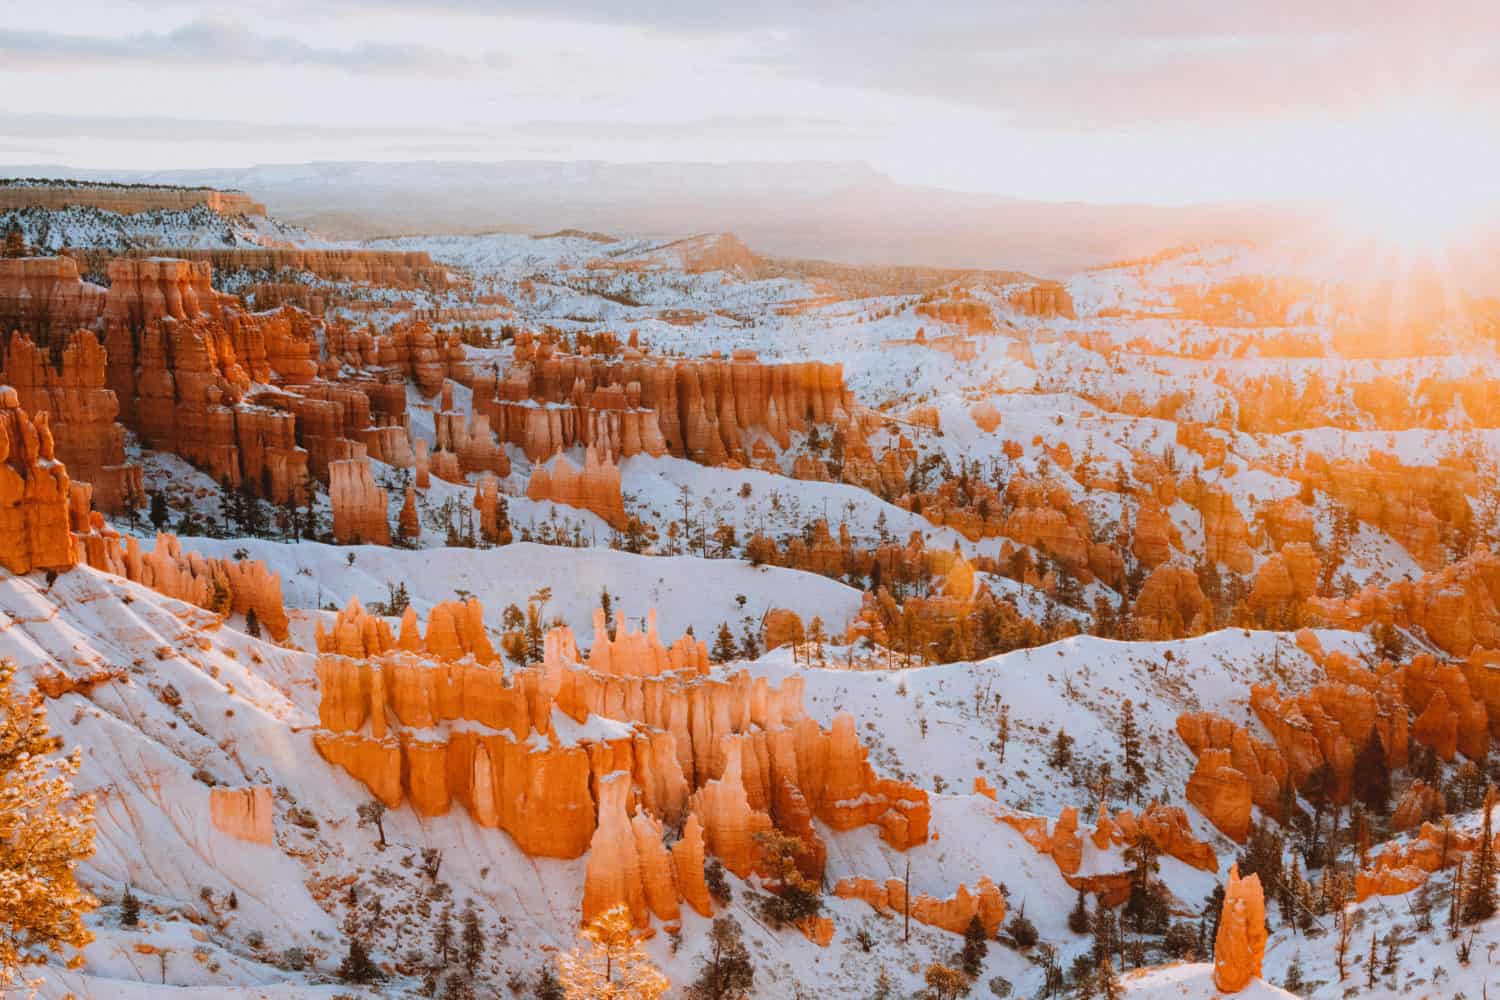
(1419, 181)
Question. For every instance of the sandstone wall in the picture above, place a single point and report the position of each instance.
(127, 200)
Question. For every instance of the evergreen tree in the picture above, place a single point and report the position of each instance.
(1372, 776)
(547, 987)
(1061, 756)
(252, 624)
(372, 813)
(130, 909)
(1130, 748)
(1107, 985)
(159, 513)
(884, 990)
(357, 966)
(1294, 983)
(442, 936)
(795, 897)
(717, 882)
(471, 940)
(1078, 917)
(1022, 931)
(727, 970)
(976, 946)
(1479, 892)
(724, 645)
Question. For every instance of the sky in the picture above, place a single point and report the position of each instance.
(1173, 101)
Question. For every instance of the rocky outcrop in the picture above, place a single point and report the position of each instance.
(45, 298)
(81, 414)
(1457, 607)
(359, 506)
(472, 441)
(243, 813)
(1285, 580)
(386, 268)
(1226, 536)
(236, 586)
(1240, 945)
(126, 199)
(1415, 505)
(952, 914)
(1171, 605)
(1221, 793)
(408, 525)
(595, 487)
(783, 626)
(710, 411)
(35, 493)
(433, 719)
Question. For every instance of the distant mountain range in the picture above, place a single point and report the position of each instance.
(845, 212)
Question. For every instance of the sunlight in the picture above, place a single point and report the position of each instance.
(1418, 180)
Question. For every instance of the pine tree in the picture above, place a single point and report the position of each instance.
(357, 966)
(727, 970)
(1130, 748)
(1294, 983)
(610, 962)
(130, 909)
(1078, 917)
(372, 813)
(1061, 756)
(1107, 985)
(45, 830)
(725, 648)
(471, 940)
(1372, 776)
(442, 936)
(547, 987)
(976, 946)
(252, 624)
(1022, 931)
(884, 990)
(1479, 892)
(159, 513)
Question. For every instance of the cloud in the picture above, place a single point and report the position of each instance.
(1086, 64)
(223, 43)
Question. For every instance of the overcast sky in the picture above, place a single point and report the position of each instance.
(1100, 100)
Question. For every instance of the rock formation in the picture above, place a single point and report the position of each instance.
(595, 487)
(708, 410)
(81, 414)
(359, 506)
(1458, 606)
(408, 525)
(1171, 604)
(430, 719)
(35, 493)
(126, 199)
(236, 586)
(45, 297)
(952, 914)
(1240, 944)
